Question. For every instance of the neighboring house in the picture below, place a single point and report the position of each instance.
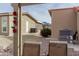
(64, 19)
(29, 24)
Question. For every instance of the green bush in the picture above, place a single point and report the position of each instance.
(46, 32)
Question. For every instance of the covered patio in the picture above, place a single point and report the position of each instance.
(18, 43)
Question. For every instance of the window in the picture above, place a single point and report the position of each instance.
(33, 30)
(4, 24)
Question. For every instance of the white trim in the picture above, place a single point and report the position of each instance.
(27, 27)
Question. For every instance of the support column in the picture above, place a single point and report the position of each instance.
(17, 36)
(20, 31)
(78, 24)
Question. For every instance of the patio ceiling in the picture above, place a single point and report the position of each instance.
(24, 4)
(27, 4)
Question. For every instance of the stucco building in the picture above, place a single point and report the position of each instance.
(29, 24)
(64, 18)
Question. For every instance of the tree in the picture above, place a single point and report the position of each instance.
(45, 32)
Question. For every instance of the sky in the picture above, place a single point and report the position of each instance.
(39, 12)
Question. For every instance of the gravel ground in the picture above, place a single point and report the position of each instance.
(6, 46)
(9, 50)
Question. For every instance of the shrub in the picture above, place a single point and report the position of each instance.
(45, 32)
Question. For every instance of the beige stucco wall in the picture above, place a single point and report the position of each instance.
(39, 27)
(63, 19)
(25, 18)
(10, 25)
(31, 24)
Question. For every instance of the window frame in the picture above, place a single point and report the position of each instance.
(6, 24)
